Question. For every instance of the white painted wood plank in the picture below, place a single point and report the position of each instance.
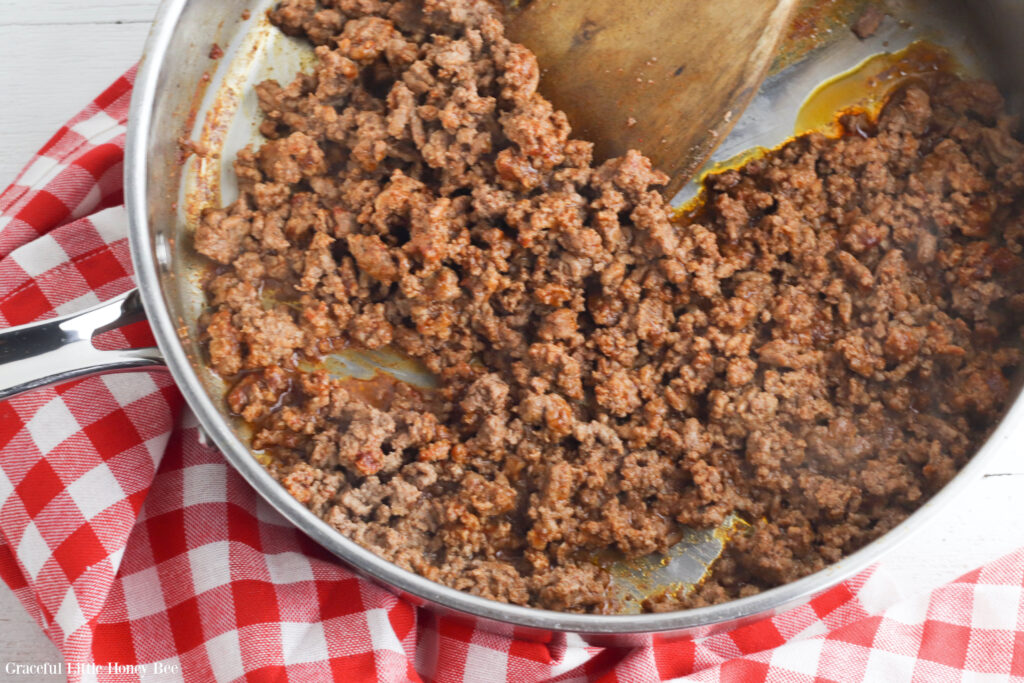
(36, 12)
(51, 72)
(21, 639)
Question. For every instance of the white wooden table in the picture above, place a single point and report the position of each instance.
(57, 55)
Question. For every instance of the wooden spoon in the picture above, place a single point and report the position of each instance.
(666, 77)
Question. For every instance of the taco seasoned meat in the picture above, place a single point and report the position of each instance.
(817, 350)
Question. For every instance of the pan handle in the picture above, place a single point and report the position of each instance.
(55, 351)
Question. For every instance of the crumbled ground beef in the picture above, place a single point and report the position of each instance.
(817, 350)
(868, 22)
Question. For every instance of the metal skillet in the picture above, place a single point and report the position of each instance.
(180, 91)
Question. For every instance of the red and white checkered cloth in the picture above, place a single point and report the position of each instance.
(140, 550)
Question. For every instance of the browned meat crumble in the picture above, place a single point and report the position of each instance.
(818, 350)
(869, 22)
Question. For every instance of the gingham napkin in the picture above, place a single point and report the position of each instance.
(144, 556)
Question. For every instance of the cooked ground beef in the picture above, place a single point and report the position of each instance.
(868, 22)
(817, 350)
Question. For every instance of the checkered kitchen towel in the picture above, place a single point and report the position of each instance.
(145, 557)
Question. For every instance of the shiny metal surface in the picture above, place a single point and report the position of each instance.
(58, 350)
(179, 90)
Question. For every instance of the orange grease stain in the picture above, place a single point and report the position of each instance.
(867, 86)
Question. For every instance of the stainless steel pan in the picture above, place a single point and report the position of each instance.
(181, 91)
